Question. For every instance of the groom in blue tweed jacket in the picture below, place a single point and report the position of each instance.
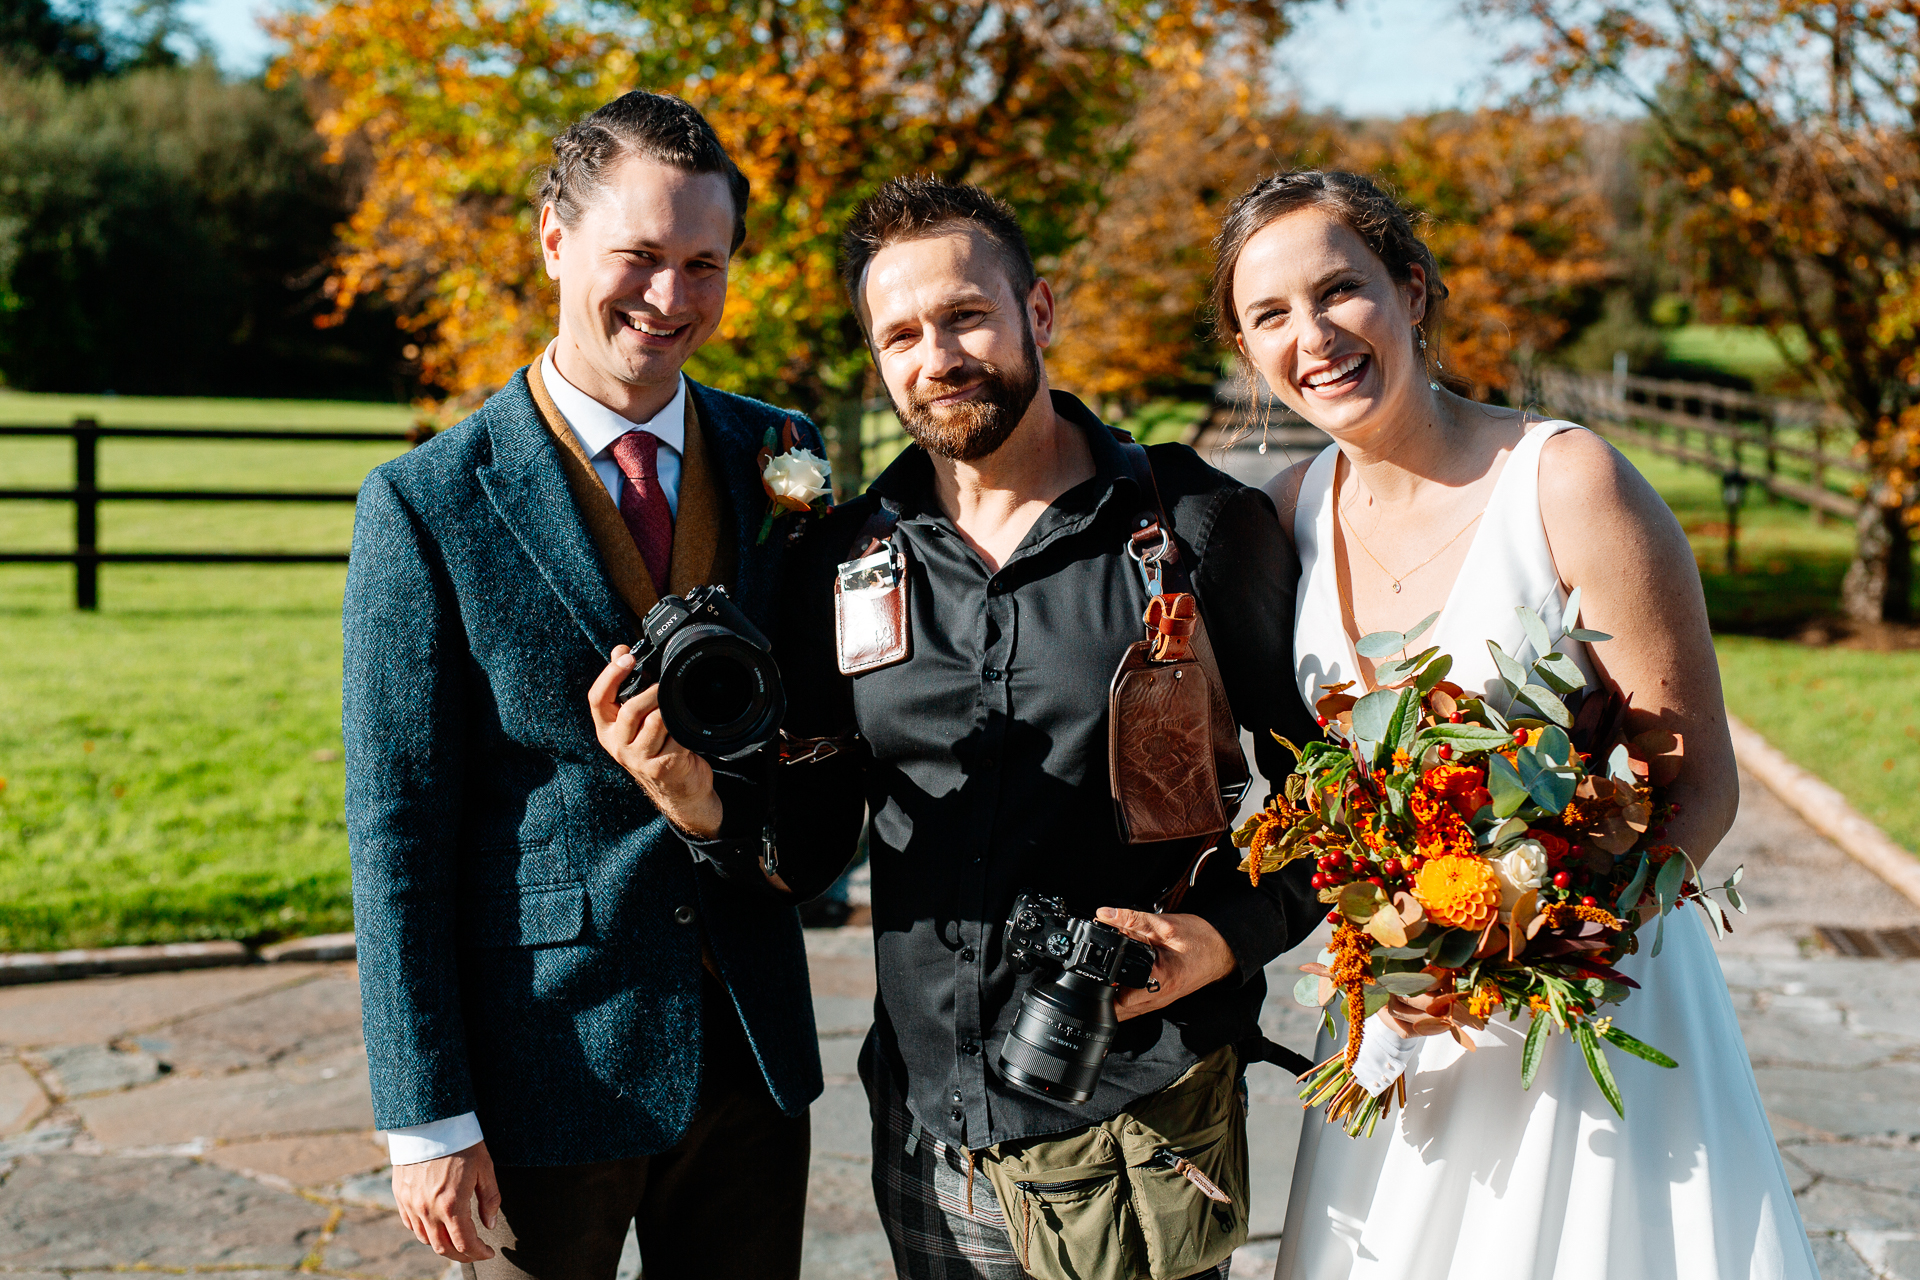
(571, 1023)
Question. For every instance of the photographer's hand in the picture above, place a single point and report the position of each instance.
(1190, 954)
(679, 782)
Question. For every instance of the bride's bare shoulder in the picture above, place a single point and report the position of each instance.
(1589, 492)
(1284, 489)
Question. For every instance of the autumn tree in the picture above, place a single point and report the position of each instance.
(1790, 131)
(819, 100)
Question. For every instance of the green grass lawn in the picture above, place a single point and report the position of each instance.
(171, 764)
(1740, 349)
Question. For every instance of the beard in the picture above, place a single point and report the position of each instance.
(972, 429)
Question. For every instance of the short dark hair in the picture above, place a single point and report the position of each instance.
(1373, 215)
(917, 207)
(655, 125)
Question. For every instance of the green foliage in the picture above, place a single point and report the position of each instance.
(159, 233)
(35, 39)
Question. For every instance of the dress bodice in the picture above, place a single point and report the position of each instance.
(1508, 564)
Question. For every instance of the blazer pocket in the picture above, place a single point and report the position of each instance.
(542, 915)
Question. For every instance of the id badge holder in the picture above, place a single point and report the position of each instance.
(870, 610)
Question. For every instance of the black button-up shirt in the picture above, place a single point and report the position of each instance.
(985, 769)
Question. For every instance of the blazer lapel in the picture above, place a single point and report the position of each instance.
(734, 461)
(524, 482)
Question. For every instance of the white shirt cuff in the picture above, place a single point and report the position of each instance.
(421, 1142)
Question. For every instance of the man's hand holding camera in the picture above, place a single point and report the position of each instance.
(679, 782)
(1189, 954)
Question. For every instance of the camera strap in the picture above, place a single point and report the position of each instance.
(1177, 768)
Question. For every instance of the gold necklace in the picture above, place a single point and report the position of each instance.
(1398, 578)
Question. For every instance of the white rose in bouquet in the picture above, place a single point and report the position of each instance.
(1521, 868)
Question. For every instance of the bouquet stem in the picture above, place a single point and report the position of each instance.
(1331, 1084)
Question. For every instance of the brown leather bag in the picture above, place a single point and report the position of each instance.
(1172, 744)
(870, 628)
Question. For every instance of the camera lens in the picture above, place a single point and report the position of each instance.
(1061, 1038)
(719, 694)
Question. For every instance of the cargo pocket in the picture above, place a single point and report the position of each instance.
(1187, 1169)
(1069, 1227)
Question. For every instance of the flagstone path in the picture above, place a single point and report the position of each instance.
(217, 1121)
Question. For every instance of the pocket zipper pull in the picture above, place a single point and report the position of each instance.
(1191, 1172)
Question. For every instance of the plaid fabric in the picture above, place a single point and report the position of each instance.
(941, 1224)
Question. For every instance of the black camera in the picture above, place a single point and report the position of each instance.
(720, 693)
(1066, 1023)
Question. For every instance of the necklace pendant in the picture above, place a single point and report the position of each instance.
(1396, 588)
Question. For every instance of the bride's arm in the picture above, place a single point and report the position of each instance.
(1284, 489)
(1613, 537)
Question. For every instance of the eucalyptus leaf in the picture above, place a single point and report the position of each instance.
(1373, 714)
(1495, 719)
(1454, 947)
(1395, 672)
(1396, 953)
(1550, 790)
(1733, 898)
(1380, 644)
(1420, 627)
(1620, 765)
(1536, 630)
(1503, 782)
(1638, 1048)
(1470, 737)
(1713, 917)
(1597, 1064)
(1375, 1001)
(1307, 991)
(1666, 885)
(1434, 672)
(1560, 673)
(1532, 1051)
(1631, 894)
(1570, 611)
(1555, 746)
(1659, 937)
(1508, 830)
(1406, 721)
(1406, 984)
(1547, 703)
(1587, 637)
(1510, 670)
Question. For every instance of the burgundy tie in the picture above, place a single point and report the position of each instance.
(643, 503)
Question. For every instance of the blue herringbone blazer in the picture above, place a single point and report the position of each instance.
(529, 926)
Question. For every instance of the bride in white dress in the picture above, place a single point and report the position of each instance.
(1428, 502)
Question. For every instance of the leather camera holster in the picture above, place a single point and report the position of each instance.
(870, 628)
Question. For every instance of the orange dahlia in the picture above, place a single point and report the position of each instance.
(1459, 891)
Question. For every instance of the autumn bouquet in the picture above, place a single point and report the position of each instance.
(1480, 859)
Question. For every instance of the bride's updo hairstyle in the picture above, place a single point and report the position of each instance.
(1369, 212)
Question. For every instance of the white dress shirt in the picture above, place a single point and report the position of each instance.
(596, 427)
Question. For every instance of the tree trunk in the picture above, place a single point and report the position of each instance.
(840, 425)
(1879, 583)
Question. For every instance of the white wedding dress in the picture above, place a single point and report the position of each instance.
(1476, 1179)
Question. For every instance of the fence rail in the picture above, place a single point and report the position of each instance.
(86, 495)
(1800, 450)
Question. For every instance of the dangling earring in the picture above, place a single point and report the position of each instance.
(1431, 384)
(1266, 417)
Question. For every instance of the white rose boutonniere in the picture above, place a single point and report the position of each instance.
(795, 479)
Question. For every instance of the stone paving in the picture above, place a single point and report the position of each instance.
(217, 1121)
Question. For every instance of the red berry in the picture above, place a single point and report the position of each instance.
(1561, 879)
(1321, 721)
(1658, 833)
(1519, 737)
(1674, 808)
(1333, 916)
(1376, 882)
(1392, 867)
(1445, 752)
(1456, 718)
(1362, 868)
(1336, 861)
(1589, 901)
(1319, 880)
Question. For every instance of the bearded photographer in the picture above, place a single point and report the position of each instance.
(572, 1027)
(950, 643)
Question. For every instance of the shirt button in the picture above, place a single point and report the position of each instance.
(966, 955)
(958, 1098)
(683, 915)
(969, 1047)
(990, 674)
(996, 588)
(959, 1116)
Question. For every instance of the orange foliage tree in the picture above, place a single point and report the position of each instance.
(1788, 136)
(453, 106)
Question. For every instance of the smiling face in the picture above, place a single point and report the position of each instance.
(643, 281)
(1326, 325)
(957, 348)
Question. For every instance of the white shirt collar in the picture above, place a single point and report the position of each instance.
(597, 427)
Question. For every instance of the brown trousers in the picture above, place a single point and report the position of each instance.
(728, 1200)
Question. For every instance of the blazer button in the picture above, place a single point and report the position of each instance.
(683, 915)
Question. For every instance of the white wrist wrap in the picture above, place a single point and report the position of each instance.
(1384, 1055)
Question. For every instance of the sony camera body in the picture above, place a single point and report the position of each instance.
(1066, 1022)
(720, 692)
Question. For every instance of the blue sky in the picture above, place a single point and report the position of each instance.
(1368, 58)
